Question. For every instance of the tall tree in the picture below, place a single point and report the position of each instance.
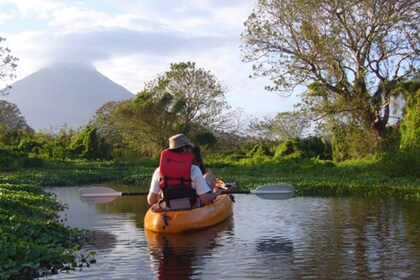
(198, 96)
(184, 99)
(11, 117)
(106, 124)
(7, 67)
(283, 126)
(147, 121)
(351, 54)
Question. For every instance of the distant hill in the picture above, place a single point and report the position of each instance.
(63, 94)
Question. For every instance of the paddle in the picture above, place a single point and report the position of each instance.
(97, 195)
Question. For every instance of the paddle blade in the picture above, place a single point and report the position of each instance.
(274, 192)
(96, 195)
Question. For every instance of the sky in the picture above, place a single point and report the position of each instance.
(131, 42)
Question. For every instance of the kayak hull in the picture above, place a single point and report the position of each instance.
(189, 220)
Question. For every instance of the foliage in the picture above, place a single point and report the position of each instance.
(8, 158)
(185, 99)
(352, 54)
(310, 147)
(12, 159)
(259, 150)
(315, 147)
(288, 149)
(405, 162)
(106, 124)
(204, 139)
(48, 145)
(85, 145)
(410, 127)
(351, 142)
(11, 117)
(314, 177)
(282, 127)
(146, 122)
(32, 241)
(7, 67)
(197, 93)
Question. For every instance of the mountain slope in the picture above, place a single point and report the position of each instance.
(65, 94)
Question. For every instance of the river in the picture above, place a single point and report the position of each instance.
(297, 238)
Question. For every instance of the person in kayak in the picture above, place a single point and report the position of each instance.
(207, 174)
(177, 180)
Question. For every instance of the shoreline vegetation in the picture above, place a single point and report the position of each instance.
(35, 243)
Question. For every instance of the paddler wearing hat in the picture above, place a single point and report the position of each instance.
(177, 183)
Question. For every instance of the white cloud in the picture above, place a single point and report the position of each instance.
(5, 17)
(39, 9)
(132, 42)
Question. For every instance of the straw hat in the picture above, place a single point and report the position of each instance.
(178, 141)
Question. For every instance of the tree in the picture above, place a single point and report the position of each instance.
(147, 121)
(11, 118)
(410, 127)
(7, 67)
(85, 145)
(351, 54)
(107, 125)
(184, 99)
(283, 126)
(198, 97)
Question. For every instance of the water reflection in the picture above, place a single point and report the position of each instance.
(299, 238)
(182, 256)
(278, 245)
(102, 239)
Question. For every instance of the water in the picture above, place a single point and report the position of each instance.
(298, 238)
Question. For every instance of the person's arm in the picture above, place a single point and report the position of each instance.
(153, 195)
(209, 196)
(202, 189)
(152, 198)
(209, 178)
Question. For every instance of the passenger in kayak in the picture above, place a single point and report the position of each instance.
(177, 179)
(207, 174)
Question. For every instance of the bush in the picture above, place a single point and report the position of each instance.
(402, 164)
(11, 159)
(8, 159)
(314, 147)
(32, 162)
(288, 149)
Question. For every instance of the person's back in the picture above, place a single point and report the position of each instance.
(176, 177)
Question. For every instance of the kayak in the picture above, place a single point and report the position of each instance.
(176, 221)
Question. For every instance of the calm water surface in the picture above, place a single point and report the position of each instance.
(298, 238)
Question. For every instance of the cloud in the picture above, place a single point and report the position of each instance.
(132, 42)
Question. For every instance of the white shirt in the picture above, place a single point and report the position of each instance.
(198, 182)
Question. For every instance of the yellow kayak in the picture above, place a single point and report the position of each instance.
(177, 221)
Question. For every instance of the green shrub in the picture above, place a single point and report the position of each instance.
(32, 162)
(31, 240)
(401, 164)
(288, 149)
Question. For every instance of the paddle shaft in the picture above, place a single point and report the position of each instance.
(105, 194)
(133, 193)
(223, 192)
(146, 193)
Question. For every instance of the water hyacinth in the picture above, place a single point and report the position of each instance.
(32, 240)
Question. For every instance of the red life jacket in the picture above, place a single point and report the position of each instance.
(175, 169)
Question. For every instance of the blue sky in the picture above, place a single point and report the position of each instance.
(131, 42)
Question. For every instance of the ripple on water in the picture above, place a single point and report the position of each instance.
(299, 238)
